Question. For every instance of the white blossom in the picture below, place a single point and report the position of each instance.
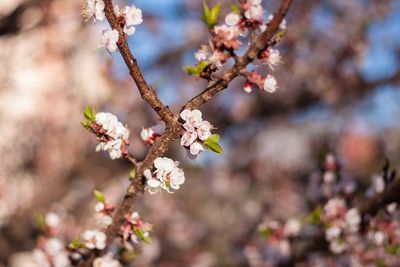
(292, 227)
(192, 118)
(188, 138)
(228, 32)
(204, 130)
(274, 58)
(114, 129)
(94, 239)
(353, 220)
(53, 246)
(202, 54)
(333, 233)
(99, 207)
(52, 220)
(255, 12)
(166, 176)
(337, 246)
(95, 9)
(109, 40)
(196, 148)
(270, 84)
(333, 207)
(232, 19)
(378, 238)
(106, 261)
(133, 17)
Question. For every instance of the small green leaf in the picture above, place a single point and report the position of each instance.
(76, 244)
(196, 70)
(210, 16)
(89, 113)
(235, 8)
(132, 174)
(40, 220)
(265, 232)
(212, 144)
(315, 216)
(392, 249)
(279, 36)
(140, 234)
(99, 196)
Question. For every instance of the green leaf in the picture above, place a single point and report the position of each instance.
(210, 16)
(89, 113)
(40, 220)
(132, 174)
(265, 232)
(392, 249)
(76, 244)
(235, 8)
(315, 216)
(196, 70)
(212, 144)
(99, 196)
(279, 36)
(140, 234)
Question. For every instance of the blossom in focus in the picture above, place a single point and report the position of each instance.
(132, 16)
(95, 9)
(166, 175)
(94, 239)
(196, 131)
(113, 135)
(109, 40)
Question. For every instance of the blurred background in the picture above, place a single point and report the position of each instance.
(339, 92)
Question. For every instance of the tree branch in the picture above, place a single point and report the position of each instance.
(173, 126)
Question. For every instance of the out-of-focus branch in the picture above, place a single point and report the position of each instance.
(302, 250)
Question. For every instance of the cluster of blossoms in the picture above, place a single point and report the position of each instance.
(112, 134)
(129, 17)
(196, 131)
(166, 175)
(279, 234)
(248, 17)
(341, 223)
(50, 250)
(94, 239)
(134, 230)
(104, 210)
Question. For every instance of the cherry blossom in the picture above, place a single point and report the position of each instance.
(166, 175)
(94, 239)
(152, 134)
(196, 131)
(95, 9)
(254, 10)
(232, 19)
(134, 229)
(132, 16)
(270, 84)
(106, 261)
(112, 134)
(110, 39)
